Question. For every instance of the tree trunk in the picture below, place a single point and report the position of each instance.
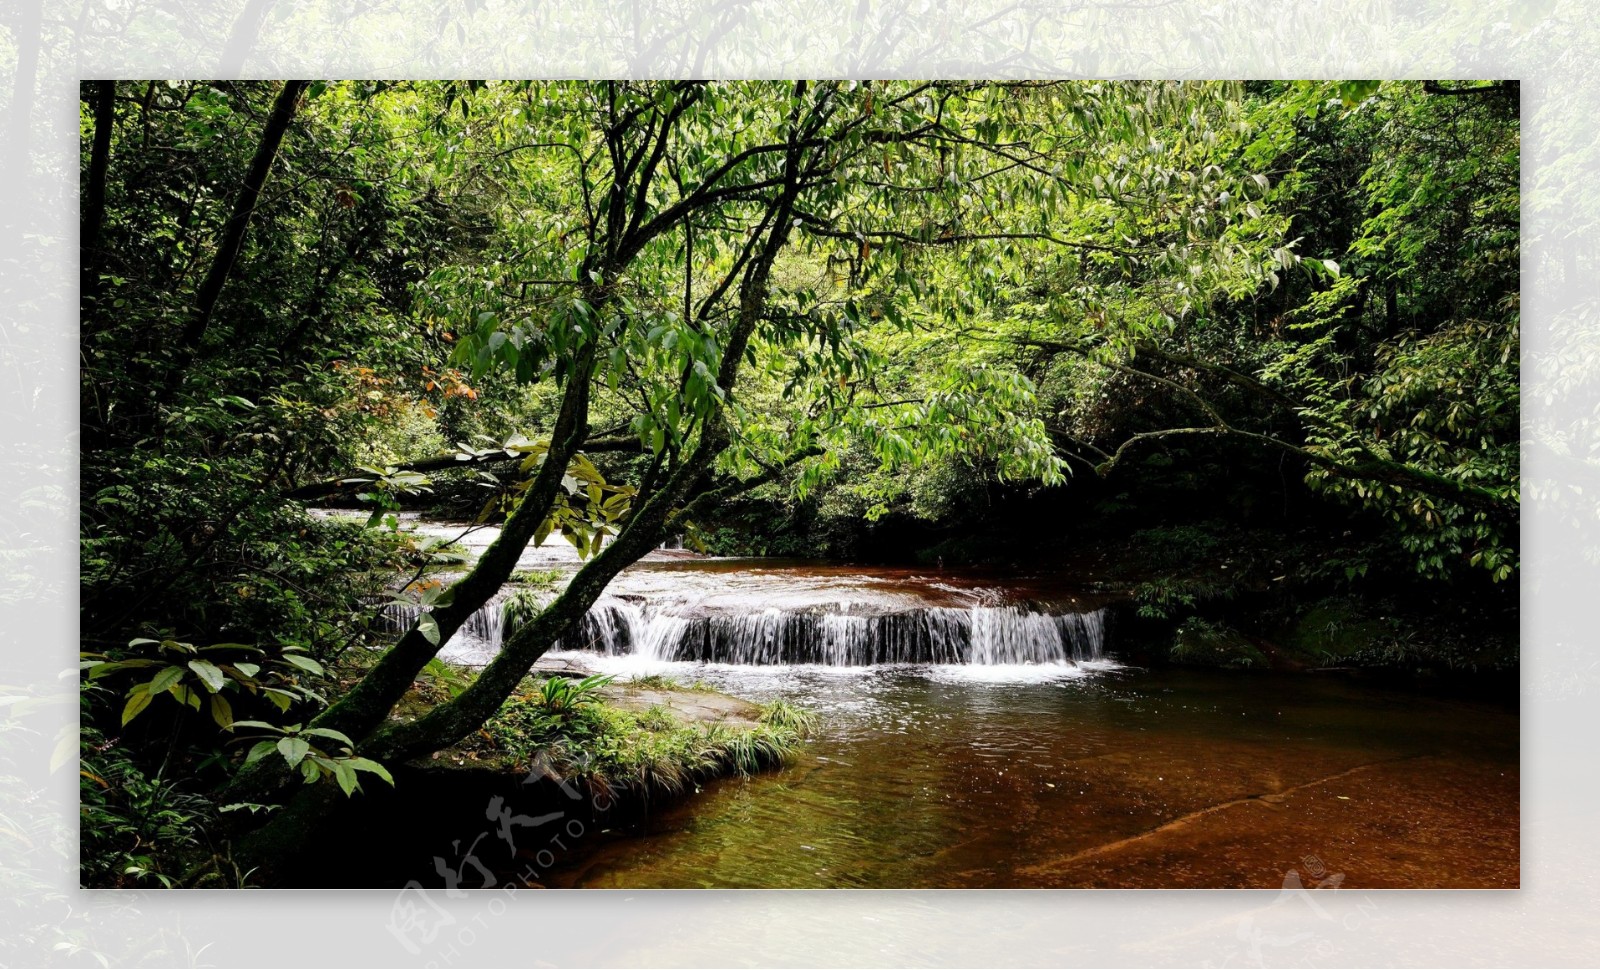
(361, 713)
(453, 720)
(363, 710)
(243, 36)
(244, 205)
(368, 703)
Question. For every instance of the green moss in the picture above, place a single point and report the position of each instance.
(1205, 643)
(1337, 630)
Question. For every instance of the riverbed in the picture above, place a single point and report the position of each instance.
(1105, 776)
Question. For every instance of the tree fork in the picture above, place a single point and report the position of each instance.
(453, 720)
(364, 708)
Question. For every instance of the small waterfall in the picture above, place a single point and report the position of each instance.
(833, 635)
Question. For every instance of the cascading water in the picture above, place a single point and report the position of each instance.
(678, 606)
(832, 634)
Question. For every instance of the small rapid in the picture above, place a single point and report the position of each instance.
(827, 634)
(678, 607)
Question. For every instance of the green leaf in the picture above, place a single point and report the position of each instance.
(209, 674)
(137, 701)
(101, 670)
(293, 749)
(366, 764)
(260, 725)
(254, 808)
(346, 777)
(304, 663)
(429, 628)
(331, 734)
(280, 698)
(165, 678)
(259, 750)
(221, 711)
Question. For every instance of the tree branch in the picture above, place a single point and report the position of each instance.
(456, 460)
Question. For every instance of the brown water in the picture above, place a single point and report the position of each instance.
(950, 777)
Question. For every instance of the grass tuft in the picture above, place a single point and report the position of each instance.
(649, 752)
(784, 715)
(542, 578)
(656, 682)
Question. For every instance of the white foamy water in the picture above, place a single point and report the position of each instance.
(676, 607)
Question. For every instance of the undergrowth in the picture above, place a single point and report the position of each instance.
(649, 752)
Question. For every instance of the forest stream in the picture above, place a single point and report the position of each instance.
(979, 731)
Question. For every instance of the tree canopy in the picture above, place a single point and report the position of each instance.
(607, 310)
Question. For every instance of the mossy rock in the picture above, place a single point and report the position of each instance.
(1204, 643)
(1336, 630)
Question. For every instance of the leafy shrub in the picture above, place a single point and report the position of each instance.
(1177, 546)
(308, 750)
(1161, 597)
(134, 830)
(562, 697)
(206, 677)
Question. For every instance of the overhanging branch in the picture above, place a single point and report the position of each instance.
(451, 462)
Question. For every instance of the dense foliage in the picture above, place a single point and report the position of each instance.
(878, 318)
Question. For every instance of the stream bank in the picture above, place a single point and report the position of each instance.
(573, 752)
(974, 730)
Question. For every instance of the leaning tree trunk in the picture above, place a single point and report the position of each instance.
(362, 710)
(646, 528)
(453, 720)
(244, 205)
(168, 378)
